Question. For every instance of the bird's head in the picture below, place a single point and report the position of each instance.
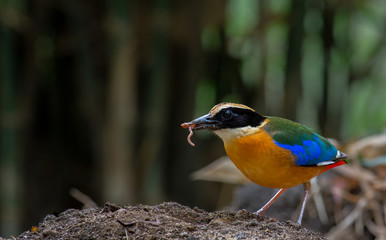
(229, 121)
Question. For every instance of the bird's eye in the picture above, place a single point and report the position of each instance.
(227, 114)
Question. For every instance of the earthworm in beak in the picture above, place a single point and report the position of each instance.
(187, 125)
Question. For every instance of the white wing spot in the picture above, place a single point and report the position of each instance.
(325, 163)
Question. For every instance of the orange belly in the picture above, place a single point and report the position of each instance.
(266, 164)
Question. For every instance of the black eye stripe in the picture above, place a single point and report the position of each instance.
(233, 117)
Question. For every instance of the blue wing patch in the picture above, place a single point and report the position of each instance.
(311, 152)
(307, 147)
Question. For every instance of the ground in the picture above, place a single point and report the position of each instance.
(164, 221)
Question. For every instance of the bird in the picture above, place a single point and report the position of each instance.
(270, 151)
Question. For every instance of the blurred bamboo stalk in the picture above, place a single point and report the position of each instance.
(293, 84)
(117, 154)
(10, 174)
(328, 15)
(154, 113)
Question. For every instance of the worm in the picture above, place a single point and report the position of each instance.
(188, 125)
(190, 135)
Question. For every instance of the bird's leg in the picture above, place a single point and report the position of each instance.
(262, 210)
(307, 188)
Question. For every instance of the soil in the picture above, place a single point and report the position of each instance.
(164, 221)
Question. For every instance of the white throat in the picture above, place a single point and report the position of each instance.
(228, 134)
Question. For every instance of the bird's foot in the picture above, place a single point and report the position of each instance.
(299, 222)
(293, 223)
(260, 212)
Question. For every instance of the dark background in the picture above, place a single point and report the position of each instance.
(93, 92)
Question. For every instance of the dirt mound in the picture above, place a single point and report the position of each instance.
(165, 221)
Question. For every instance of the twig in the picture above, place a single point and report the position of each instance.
(335, 232)
(127, 235)
(318, 200)
(83, 198)
(129, 224)
(384, 209)
(380, 225)
(377, 231)
(359, 226)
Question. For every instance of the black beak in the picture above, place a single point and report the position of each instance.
(204, 122)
